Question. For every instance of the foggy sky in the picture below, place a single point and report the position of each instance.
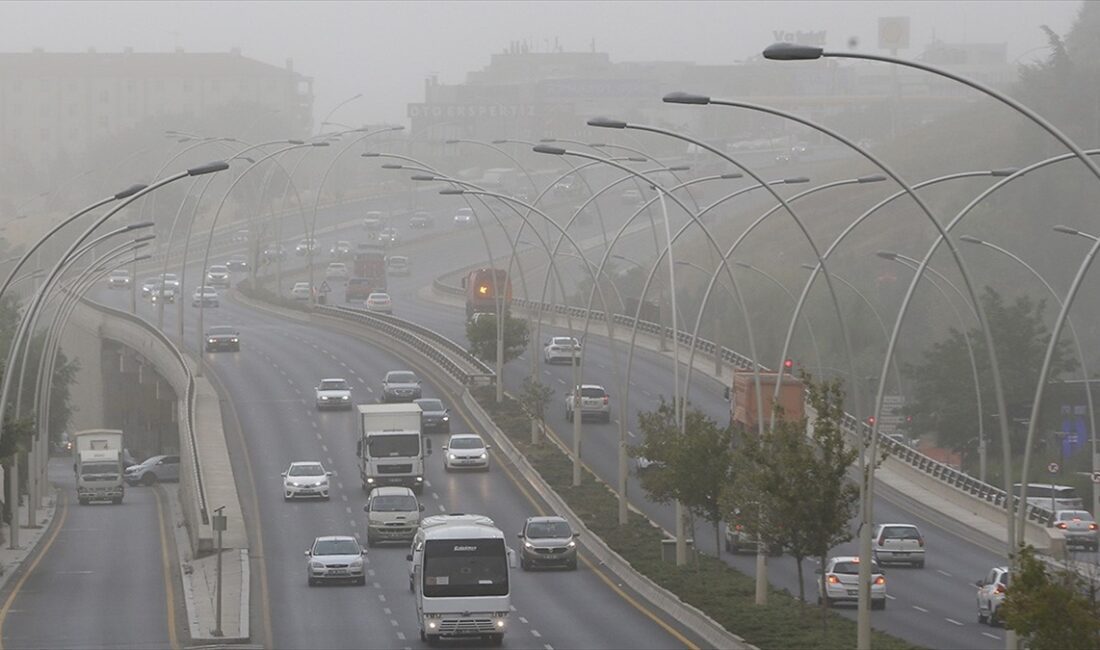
(385, 50)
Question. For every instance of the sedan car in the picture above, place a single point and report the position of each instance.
(464, 217)
(336, 271)
(149, 285)
(400, 386)
(163, 292)
(275, 252)
(548, 541)
(335, 558)
(842, 583)
(595, 403)
(305, 247)
(991, 595)
(421, 219)
(237, 263)
(561, 349)
(465, 451)
(153, 470)
(305, 479)
(1079, 528)
(340, 249)
(899, 543)
(300, 291)
(388, 236)
(434, 417)
(204, 297)
(119, 279)
(380, 302)
(333, 393)
(397, 265)
(218, 275)
(222, 337)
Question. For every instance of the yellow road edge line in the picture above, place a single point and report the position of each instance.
(166, 566)
(34, 564)
(257, 541)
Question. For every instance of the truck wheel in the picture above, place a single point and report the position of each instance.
(149, 479)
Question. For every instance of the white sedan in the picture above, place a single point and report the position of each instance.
(562, 349)
(380, 302)
(465, 451)
(333, 393)
(305, 479)
(301, 291)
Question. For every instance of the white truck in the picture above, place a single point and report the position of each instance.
(462, 581)
(97, 462)
(390, 448)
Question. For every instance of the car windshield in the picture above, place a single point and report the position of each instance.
(394, 445)
(400, 377)
(563, 341)
(548, 530)
(221, 331)
(430, 404)
(335, 547)
(1069, 515)
(589, 391)
(334, 384)
(379, 297)
(218, 269)
(900, 532)
(472, 442)
(313, 469)
(394, 503)
(851, 568)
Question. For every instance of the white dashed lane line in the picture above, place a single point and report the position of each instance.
(523, 620)
(992, 636)
(943, 573)
(920, 609)
(891, 597)
(535, 633)
(953, 621)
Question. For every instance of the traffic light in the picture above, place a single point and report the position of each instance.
(788, 364)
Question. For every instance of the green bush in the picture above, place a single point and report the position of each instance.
(723, 593)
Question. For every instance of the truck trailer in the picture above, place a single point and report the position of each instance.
(97, 462)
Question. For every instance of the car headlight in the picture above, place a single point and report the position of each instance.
(357, 563)
(316, 565)
(324, 398)
(211, 341)
(451, 456)
(345, 397)
(234, 341)
(528, 545)
(483, 455)
(571, 544)
(446, 418)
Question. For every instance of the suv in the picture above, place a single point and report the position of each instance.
(548, 541)
(157, 468)
(991, 595)
(595, 402)
(400, 386)
(393, 514)
(901, 543)
(335, 557)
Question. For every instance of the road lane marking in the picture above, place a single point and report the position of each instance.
(324, 447)
(382, 597)
(951, 620)
(166, 567)
(62, 496)
(385, 610)
(891, 597)
(523, 619)
(393, 622)
(992, 636)
(401, 636)
(535, 633)
(920, 609)
(441, 508)
(942, 572)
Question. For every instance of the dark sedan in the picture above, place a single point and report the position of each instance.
(434, 417)
(223, 337)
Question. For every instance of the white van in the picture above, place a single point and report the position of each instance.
(393, 514)
(1050, 496)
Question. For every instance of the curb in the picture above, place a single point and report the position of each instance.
(706, 627)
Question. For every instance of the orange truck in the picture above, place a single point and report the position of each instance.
(743, 401)
(483, 287)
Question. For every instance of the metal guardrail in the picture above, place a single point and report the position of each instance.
(904, 453)
(435, 346)
(192, 444)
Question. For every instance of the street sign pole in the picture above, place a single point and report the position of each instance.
(219, 522)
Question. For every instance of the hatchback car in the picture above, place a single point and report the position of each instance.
(991, 595)
(335, 558)
(119, 279)
(421, 219)
(218, 275)
(275, 252)
(397, 265)
(548, 541)
(898, 543)
(222, 337)
(336, 271)
(163, 292)
(148, 286)
(153, 470)
(561, 349)
(595, 403)
(305, 247)
(333, 393)
(380, 302)
(842, 583)
(465, 451)
(237, 263)
(204, 297)
(300, 291)
(340, 249)
(434, 417)
(1079, 528)
(374, 220)
(400, 386)
(464, 217)
(305, 479)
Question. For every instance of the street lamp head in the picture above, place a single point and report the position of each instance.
(607, 123)
(686, 98)
(873, 178)
(678, 168)
(970, 240)
(500, 142)
(136, 245)
(744, 265)
(548, 139)
(392, 166)
(452, 190)
(250, 161)
(1001, 173)
(141, 258)
(452, 141)
(424, 177)
(792, 52)
(137, 226)
(370, 154)
(1067, 230)
(795, 180)
(887, 255)
(809, 267)
(323, 143)
(208, 168)
(295, 141)
(144, 238)
(396, 128)
(542, 148)
(731, 175)
(130, 191)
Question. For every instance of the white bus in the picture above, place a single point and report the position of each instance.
(1050, 496)
(462, 579)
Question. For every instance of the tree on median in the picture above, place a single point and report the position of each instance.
(535, 397)
(481, 332)
(1051, 610)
